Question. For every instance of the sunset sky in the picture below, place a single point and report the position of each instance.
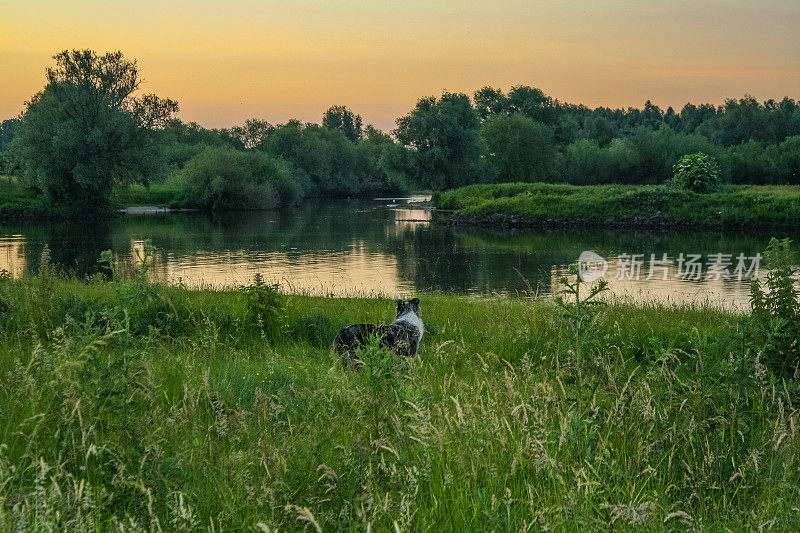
(228, 61)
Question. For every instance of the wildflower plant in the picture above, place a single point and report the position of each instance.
(775, 317)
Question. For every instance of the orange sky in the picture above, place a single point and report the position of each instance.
(228, 61)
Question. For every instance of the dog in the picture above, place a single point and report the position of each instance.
(401, 336)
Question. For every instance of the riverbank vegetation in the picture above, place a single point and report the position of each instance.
(79, 163)
(131, 404)
(532, 204)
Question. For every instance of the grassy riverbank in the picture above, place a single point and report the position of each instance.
(532, 204)
(131, 403)
(16, 202)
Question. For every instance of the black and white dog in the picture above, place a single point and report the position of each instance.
(401, 336)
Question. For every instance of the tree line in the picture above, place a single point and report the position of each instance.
(89, 132)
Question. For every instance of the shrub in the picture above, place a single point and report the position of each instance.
(222, 177)
(787, 159)
(696, 172)
(749, 163)
(776, 310)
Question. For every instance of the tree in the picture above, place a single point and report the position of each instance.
(533, 103)
(340, 118)
(520, 148)
(489, 100)
(446, 147)
(253, 133)
(749, 163)
(787, 159)
(324, 157)
(8, 129)
(373, 177)
(85, 131)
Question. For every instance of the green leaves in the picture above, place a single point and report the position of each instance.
(775, 325)
(696, 172)
(446, 148)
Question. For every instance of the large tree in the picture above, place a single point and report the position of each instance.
(86, 131)
(446, 147)
(520, 148)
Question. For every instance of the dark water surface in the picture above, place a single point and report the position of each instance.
(371, 247)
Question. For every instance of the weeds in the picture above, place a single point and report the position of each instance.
(265, 307)
(776, 310)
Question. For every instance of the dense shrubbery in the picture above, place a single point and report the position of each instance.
(443, 143)
(220, 178)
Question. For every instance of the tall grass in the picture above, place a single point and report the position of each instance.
(130, 405)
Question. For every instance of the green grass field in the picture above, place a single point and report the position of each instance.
(130, 405)
(167, 194)
(532, 203)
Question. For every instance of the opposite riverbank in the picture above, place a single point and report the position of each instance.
(161, 407)
(17, 204)
(659, 207)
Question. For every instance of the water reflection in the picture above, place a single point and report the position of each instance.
(365, 247)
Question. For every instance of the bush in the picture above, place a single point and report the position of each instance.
(222, 177)
(749, 163)
(696, 172)
(265, 307)
(141, 307)
(787, 159)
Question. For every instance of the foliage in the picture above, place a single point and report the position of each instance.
(325, 155)
(696, 172)
(252, 134)
(520, 148)
(265, 307)
(226, 178)
(377, 174)
(8, 129)
(776, 310)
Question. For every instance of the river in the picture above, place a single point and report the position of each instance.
(390, 247)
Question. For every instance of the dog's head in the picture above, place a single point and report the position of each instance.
(404, 307)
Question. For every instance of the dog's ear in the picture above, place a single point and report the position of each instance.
(400, 305)
(414, 303)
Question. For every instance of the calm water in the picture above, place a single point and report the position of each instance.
(370, 247)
